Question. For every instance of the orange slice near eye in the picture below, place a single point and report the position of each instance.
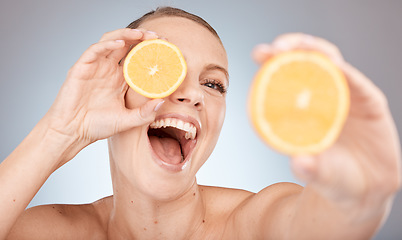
(154, 68)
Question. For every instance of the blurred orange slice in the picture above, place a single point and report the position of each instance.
(299, 101)
(154, 68)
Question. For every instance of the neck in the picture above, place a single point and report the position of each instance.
(137, 216)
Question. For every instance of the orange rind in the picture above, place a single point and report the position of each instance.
(299, 102)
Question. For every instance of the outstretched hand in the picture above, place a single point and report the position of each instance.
(90, 105)
(362, 169)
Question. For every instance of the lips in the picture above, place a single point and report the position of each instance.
(172, 139)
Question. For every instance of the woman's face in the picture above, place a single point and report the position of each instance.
(162, 161)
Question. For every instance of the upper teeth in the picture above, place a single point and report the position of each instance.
(189, 128)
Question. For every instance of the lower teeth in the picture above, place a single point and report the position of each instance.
(182, 158)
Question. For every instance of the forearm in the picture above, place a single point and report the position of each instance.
(26, 169)
(318, 218)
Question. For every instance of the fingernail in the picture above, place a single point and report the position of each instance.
(159, 105)
(282, 46)
(308, 39)
(151, 32)
(304, 165)
(136, 30)
(119, 41)
(338, 61)
(265, 48)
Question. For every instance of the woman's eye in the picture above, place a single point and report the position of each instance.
(211, 85)
(216, 85)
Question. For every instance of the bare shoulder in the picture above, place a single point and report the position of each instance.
(62, 221)
(221, 199)
(262, 211)
(229, 198)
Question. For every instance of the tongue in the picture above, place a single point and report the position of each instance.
(168, 149)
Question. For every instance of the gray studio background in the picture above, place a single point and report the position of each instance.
(41, 39)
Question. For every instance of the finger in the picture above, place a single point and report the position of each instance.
(149, 35)
(120, 54)
(320, 176)
(303, 167)
(130, 36)
(364, 92)
(334, 172)
(319, 169)
(358, 82)
(99, 50)
(295, 41)
(261, 53)
(127, 34)
(140, 116)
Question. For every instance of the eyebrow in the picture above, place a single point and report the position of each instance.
(219, 68)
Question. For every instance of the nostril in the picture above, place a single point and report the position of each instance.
(189, 101)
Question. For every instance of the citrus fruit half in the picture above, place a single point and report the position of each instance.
(154, 68)
(298, 102)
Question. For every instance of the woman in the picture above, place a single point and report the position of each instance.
(155, 191)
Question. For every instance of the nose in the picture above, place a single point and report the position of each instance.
(190, 93)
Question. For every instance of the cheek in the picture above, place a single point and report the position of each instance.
(134, 99)
(217, 115)
(221, 115)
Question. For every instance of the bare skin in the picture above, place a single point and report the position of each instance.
(151, 202)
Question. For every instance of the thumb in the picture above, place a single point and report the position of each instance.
(304, 167)
(142, 115)
(262, 52)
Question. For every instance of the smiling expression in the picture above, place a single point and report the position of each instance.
(162, 158)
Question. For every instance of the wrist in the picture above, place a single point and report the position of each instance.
(356, 209)
(60, 147)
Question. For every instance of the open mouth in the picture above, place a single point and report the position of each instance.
(172, 141)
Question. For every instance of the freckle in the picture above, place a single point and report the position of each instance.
(53, 207)
(60, 212)
(193, 194)
(132, 201)
(203, 220)
(156, 222)
(13, 200)
(145, 229)
(202, 190)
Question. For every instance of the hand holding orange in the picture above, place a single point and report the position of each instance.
(299, 104)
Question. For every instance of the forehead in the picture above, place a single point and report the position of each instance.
(193, 39)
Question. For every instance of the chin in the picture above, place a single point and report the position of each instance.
(164, 158)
